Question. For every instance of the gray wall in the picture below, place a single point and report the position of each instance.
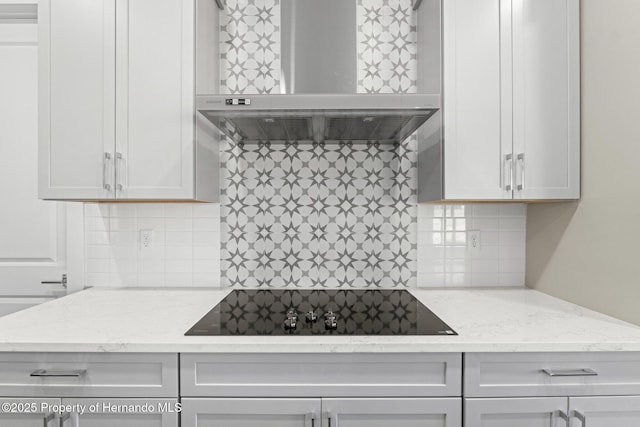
(589, 252)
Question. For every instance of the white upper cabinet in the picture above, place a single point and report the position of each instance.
(117, 102)
(76, 99)
(546, 99)
(511, 99)
(473, 105)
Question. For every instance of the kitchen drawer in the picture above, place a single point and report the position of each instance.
(312, 375)
(568, 374)
(90, 375)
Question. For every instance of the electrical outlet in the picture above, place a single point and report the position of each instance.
(473, 241)
(146, 239)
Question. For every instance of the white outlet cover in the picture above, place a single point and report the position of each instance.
(146, 239)
(474, 242)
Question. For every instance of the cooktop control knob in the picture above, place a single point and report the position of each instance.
(330, 320)
(291, 320)
(290, 324)
(311, 316)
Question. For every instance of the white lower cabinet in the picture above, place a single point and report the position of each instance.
(593, 411)
(330, 390)
(251, 412)
(326, 412)
(397, 412)
(18, 412)
(552, 389)
(89, 390)
(605, 411)
(120, 412)
(512, 412)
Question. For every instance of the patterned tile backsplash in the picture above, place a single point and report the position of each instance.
(186, 243)
(332, 216)
(386, 57)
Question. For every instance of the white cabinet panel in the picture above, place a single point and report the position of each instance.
(511, 100)
(17, 416)
(473, 105)
(77, 98)
(605, 411)
(251, 412)
(117, 81)
(155, 99)
(122, 413)
(551, 374)
(393, 412)
(546, 91)
(524, 412)
(311, 375)
(89, 374)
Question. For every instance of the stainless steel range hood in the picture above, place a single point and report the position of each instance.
(356, 118)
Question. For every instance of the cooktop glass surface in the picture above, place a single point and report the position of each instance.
(315, 312)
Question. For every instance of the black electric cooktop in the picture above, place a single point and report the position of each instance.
(316, 312)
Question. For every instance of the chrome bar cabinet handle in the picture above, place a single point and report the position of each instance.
(311, 419)
(332, 419)
(119, 171)
(563, 415)
(520, 158)
(586, 372)
(581, 417)
(48, 418)
(508, 160)
(105, 167)
(66, 416)
(77, 373)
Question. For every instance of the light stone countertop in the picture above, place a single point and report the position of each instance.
(155, 320)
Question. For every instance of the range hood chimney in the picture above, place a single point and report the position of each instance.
(321, 93)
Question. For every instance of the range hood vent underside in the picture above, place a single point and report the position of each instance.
(360, 126)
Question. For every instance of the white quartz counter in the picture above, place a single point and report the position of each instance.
(155, 320)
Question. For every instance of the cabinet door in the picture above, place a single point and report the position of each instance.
(155, 99)
(477, 93)
(76, 99)
(250, 413)
(546, 94)
(525, 412)
(121, 413)
(28, 412)
(436, 412)
(605, 411)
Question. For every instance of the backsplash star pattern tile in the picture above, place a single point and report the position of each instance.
(331, 216)
(250, 47)
(387, 46)
(334, 215)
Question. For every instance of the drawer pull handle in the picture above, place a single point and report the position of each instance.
(562, 415)
(64, 418)
(48, 418)
(44, 373)
(332, 419)
(571, 373)
(581, 417)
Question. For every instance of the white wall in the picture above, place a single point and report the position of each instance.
(588, 252)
